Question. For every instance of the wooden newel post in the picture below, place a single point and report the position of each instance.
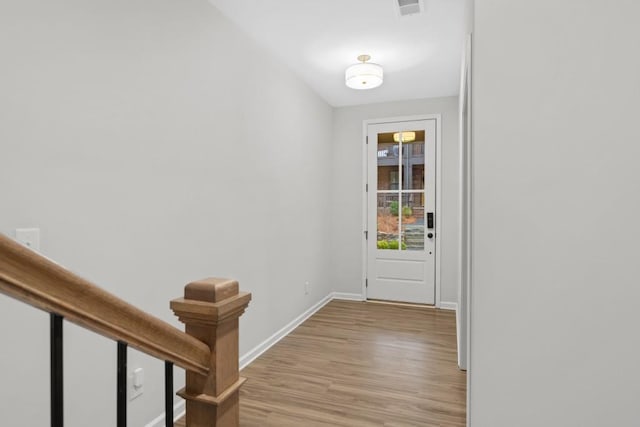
(210, 311)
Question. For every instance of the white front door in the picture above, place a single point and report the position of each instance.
(401, 173)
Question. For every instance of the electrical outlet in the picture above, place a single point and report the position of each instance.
(306, 288)
(30, 237)
(136, 383)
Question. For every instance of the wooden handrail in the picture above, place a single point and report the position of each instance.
(41, 283)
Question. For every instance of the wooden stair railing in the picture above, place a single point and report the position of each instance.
(208, 350)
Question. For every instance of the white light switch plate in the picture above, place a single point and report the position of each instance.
(136, 383)
(30, 237)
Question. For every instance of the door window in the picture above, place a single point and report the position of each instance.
(400, 190)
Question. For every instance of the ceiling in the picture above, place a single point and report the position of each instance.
(319, 39)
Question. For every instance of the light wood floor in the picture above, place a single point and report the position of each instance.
(356, 364)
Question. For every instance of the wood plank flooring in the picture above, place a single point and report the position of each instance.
(358, 364)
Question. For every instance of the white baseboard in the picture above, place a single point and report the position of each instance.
(347, 296)
(252, 354)
(178, 412)
(445, 305)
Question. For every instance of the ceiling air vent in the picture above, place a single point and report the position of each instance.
(409, 7)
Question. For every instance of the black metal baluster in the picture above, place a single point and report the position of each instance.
(122, 384)
(57, 403)
(168, 394)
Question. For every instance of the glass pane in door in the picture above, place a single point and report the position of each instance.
(413, 221)
(388, 162)
(412, 159)
(388, 221)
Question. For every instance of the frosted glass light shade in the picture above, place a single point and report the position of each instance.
(363, 76)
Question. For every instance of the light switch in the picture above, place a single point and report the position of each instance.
(135, 384)
(138, 378)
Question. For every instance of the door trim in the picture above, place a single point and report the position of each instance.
(365, 124)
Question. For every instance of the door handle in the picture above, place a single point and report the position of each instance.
(430, 235)
(429, 219)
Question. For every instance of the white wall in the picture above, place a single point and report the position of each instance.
(556, 199)
(153, 144)
(346, 209)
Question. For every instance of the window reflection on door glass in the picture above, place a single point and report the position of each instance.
(413, 160)
(388, 221)
(387, 154)
(413, 221)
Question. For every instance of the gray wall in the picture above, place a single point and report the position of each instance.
(346, 209)
(556, 199)
(151, 150)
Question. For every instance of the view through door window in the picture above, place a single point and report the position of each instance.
(401, 190)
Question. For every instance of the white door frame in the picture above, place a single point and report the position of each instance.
(365, 124)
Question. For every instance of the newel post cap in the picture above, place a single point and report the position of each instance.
(212, 289)
(211, 301)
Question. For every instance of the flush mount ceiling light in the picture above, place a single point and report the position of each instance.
(406, 136)
(365, 75)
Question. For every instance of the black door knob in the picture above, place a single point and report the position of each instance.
(430, 235)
